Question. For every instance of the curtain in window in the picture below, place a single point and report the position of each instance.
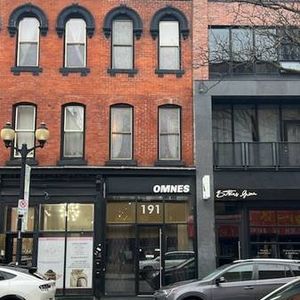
(122, 40)
(169, 52)
(121, 133)
(25, 127)
(28, 40)
(222, 123)
(73, 131)
(169, 127)
(76, 43)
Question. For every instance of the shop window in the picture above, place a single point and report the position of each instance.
(75, 44)
(80, 217)
(12, 219)
(53, 217)
(121, 132)
(73, 132)
(150, 212)
(169, 133)
(176, 212)
(120, 212)
(28, 42)
(25, 119)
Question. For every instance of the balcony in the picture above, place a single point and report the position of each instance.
(244, 155)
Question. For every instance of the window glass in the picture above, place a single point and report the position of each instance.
(270, 271)
(222, 123)
(295, 270)
(24, 127)
(291, 112)
(53, 217)
(176, 212)
(73, 131)
(6, 275)
(169, 51)
(121, 133)
(28, 41)
(218, 45)
(150, 212)
(14, 219)
(75, 43)
(122, 39)
(290, 49)
(80, 217)
(169, 133)
(239, 273)
(120, 212)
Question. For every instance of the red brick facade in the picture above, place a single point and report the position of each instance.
(98, 90)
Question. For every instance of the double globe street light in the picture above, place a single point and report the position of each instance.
(8, 136)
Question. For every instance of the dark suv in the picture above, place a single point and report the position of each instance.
(249, 279)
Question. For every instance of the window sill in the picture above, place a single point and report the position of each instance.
(130, 72)
(34, 70)
(17, 162)
(121, 163)
(82, 71)
(169, 163)
(72, 162)
(161, 73)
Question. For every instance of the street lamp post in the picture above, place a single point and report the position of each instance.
(8, 135)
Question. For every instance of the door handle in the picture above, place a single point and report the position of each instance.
(248, 288)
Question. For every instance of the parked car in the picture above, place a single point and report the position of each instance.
(289, 291)
(249, 279)
(172, 258)
(25, 283)
(184, 271)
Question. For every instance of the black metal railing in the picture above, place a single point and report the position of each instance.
(257, 155)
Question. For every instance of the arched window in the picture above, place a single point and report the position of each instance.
(169, 24)
(123, 24)
(121, 135)
(75, 44)
(28, 22)
(169, 132)
(28, 42)
(75, 23)
(73, 131)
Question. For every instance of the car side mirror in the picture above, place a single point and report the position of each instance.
(220, 280)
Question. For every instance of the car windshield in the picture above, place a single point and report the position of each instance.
(289, 292)
(215, 272)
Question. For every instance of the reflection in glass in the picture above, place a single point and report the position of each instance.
(14, 219)
(80, 217)
(120, 270)
(53, 217)
(120, 212)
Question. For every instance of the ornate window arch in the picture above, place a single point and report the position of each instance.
(169, 12)
(75, 11)
(27, 10)
(121, 12)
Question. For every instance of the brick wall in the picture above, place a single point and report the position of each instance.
(50, 89)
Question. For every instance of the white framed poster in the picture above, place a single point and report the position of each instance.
(79, 262)
(51, 252)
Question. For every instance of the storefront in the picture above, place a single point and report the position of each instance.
(258, 221)
(105, 232)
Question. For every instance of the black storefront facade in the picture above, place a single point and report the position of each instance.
(247, 143)
(257, 215)
(97, 230)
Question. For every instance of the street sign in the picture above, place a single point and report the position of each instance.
(22, 206)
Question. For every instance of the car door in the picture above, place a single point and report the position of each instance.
(238, 284)
(5, 283)
(270, 276)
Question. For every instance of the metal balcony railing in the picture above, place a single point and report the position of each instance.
(257, 155)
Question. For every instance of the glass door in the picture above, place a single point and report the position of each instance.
(149, 259)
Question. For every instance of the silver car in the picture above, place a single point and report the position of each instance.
(249, 279)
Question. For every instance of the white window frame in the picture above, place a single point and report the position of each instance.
(80, 43)
(161, 45)
(16, 153)
(169, 133)
(21, 41)
(121, 133)
(115, 45)
(73, 131)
